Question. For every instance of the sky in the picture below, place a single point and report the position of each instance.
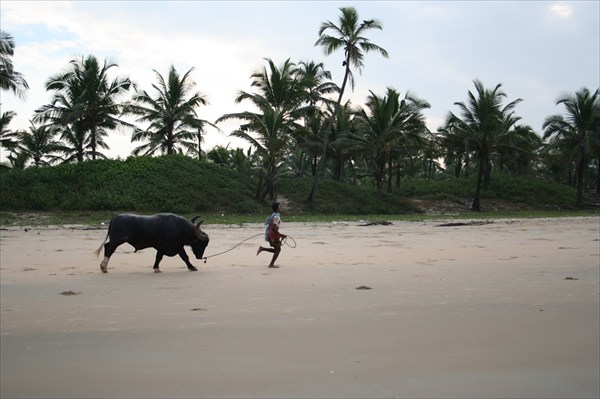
(537, 50)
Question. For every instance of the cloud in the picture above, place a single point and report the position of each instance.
(561, 10)
(436, 48)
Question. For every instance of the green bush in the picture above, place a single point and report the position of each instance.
(164, 184)
(183, 185)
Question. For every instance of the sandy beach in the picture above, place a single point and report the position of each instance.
(506, 309)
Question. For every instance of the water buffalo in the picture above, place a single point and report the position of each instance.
(165, 232)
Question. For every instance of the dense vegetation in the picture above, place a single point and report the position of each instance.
(176, 183)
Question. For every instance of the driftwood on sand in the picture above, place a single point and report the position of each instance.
(379, 223)
(454, 224)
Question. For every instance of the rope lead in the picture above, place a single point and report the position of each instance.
(284, 241)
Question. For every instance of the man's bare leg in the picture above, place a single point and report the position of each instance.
(274, 251)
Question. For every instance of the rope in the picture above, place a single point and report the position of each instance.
(232, 248)
(284, 241)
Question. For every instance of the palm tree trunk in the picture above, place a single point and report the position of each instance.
(93, 140)
(580, 180)
(269, 182)
(337, 174)
(457, 167)
(80, 153)
(313, 165)
(487, 173)
(199, 145)
(260, 183)
(430, 169)
(380, 172)
(398, 178)
(313, 189)
(598, 177)
(476, 206)
(390, 174)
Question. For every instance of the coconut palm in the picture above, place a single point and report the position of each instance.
(194, 146)
(431, 151)
(171, 117)
(77, 144)
(347, 35)
(87, 101)
(455, 143)
(280, 100)
(340, 147)
(317, 86)
(316, 82)
(519, 149)
(7, 137)
(577, 132)
(282, 87)
(483, 123)
(269, 132)
(10, 79)
(388, 123)
(39, 145)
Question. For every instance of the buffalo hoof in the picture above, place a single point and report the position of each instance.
(192, 269)
(157, 270)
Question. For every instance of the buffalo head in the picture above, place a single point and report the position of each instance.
(201, 241)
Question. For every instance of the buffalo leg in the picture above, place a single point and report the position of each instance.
(109, 248)
(159, 256)
(183, 255)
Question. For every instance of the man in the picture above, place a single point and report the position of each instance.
(272, 234)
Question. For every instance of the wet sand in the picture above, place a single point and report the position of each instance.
(508, 309)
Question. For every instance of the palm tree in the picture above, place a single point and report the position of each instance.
(431, 151)
(171, 116)
(282, 87)
(483, 123)
(340, 146)
(316, 81)
(87, 101)
(388, 124)
(280, 101)
(577, 132)
(7, 136)
(348, 35)
(455, 143)
(518, 149)
(194, 147)
(39, 145)
(317, 85)
(313, 137)
(10, 79)
(77, 144)
(269, 132)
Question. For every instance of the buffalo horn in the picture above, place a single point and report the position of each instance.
(199, 232)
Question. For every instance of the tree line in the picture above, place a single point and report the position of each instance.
(298, 124)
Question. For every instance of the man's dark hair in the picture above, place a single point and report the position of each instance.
(275, 206)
